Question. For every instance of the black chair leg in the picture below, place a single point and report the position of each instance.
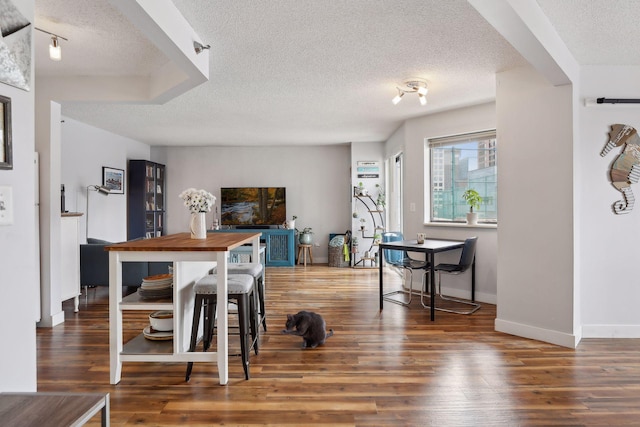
(210, 321)
(197, 308)
(262, 308)
(243, 307)
(254, 317)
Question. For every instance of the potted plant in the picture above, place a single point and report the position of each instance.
(473, 199)
(380, 200)
(305, 237)
(361, 190)
(363, 221)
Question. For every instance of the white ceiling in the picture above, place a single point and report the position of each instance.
(286, 72)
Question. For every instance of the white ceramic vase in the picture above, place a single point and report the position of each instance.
(198, 225)
(472, 218)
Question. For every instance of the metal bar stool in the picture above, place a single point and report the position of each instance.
(255, 270)
(240, 289)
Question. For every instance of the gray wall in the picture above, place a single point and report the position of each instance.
(316, 178)
(85, 150)
(410, 139)
(19, 308)
(535, 234)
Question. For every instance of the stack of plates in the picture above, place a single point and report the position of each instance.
(152, 334)
(156, 287)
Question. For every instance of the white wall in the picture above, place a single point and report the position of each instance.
(19, 305)
(85, 150)
(609, 246)
(316, 178)
(47, 134)
(535, 181)
(410, 140)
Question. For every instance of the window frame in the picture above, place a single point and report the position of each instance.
(452, 140)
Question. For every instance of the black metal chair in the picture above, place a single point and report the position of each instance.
(466, 261)
(401, 259)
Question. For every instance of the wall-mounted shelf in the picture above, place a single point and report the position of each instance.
(377, 221)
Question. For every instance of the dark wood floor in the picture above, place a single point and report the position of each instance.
(381, 368)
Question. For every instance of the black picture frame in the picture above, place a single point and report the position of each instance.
(6, 150)
(113, 179)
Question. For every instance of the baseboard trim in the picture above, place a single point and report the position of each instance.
(51, 321)
(535, 333)
(611, 331)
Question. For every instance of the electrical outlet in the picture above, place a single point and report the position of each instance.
(6, 206)
(412, 207)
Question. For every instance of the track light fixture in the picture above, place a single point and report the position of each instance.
(418, 86)
(55, 51)
(398, 97)
(199, 47)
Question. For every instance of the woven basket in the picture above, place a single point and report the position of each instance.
(336, 257)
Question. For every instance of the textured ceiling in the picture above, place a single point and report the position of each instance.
(101, 42)
(292, 72)
(597, 32)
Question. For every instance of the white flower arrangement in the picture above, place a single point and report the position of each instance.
(198, 200)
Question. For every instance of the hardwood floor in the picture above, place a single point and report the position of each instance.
(393, 367)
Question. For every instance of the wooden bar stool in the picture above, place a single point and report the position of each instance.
(303, 251)
(240, 289)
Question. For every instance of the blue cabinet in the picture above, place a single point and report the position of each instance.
(280, 247)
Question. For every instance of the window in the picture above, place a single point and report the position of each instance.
(457, 163)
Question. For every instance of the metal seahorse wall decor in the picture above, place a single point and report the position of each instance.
(625, 170)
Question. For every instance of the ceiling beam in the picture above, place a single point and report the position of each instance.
(523, 24)
(163, 24)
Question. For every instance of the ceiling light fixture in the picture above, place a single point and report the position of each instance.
(199, 47)
(418, 86)
(398, 97)
(55, 51)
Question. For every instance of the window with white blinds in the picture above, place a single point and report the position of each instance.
(457, 163)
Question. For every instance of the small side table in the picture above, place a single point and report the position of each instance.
(303, 251)
(52, 409)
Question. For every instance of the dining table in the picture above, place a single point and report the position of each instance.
(191, 260)
(430, 247)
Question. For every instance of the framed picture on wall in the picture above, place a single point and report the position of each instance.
(6, 159)
(113, 179)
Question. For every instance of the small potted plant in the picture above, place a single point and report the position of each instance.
(363, 221)
(361, 190)
(473, 199)
(306, 236)
(380, 200)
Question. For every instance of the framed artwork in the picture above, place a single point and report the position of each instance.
(6, 159)
(15, 46)
(113, 179)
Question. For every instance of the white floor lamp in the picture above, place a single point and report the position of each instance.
(100, 189)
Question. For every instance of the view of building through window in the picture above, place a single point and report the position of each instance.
(459, 163)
